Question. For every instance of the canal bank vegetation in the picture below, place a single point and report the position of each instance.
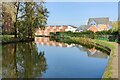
(109, 35)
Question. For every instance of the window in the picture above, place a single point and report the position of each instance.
(9, 25)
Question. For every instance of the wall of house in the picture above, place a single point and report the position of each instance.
(93, 28)
(49, 29)
(102, 27)
(72, 29)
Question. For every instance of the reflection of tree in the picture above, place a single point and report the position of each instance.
(26, 62)
(8, 68)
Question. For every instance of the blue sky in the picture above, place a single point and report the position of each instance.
(81, 0)
(78, 13)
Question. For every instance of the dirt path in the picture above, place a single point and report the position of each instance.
(119, 61)
(112, 67)
(115, 60)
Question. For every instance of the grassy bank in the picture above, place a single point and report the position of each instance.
(0, 61)
(110, 69)
(5, 39)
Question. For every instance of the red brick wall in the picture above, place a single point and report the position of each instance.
(93, 28)
(51, 29)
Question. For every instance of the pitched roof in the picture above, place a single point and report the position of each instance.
(83, 27)
(72, 26)
(110, 23)
(99, 20)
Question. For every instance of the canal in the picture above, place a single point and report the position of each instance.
(43, 58)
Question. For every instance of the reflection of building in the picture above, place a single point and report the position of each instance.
(46, 41)
(93, 52)
(55, 29)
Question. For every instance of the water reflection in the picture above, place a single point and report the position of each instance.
(91, 52)
(71, 60)
(22, 60)
(51, 59)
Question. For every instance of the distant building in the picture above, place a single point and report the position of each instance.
(82, 28)
(98, 24)
(54, 29)
(95, 24)
(71, 28)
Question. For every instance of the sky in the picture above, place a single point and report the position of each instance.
(82, 0)
(78, 13)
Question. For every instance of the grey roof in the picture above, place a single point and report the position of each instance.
(99, 20)
(83, 27)
(110, 23)
(73, 26)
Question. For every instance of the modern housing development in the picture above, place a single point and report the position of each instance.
(54, 29)
(94, 24)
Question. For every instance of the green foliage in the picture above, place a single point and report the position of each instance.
(6, 38)
(21, 29)
(104, 32)
(115, 26)
(8, 12)
(101, 35)
(32, 15)
(89, 34)
(52, 34)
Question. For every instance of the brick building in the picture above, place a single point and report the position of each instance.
(54, 29)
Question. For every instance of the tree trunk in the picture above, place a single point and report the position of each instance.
(15, 27)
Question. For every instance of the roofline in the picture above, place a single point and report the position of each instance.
(99, 17)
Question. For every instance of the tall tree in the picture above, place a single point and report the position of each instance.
(8, 16)
(15, 24)
(33, 15)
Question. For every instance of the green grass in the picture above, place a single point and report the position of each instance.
(6, 38)
(108, 72)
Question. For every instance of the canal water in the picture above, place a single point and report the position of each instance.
(50, 59)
